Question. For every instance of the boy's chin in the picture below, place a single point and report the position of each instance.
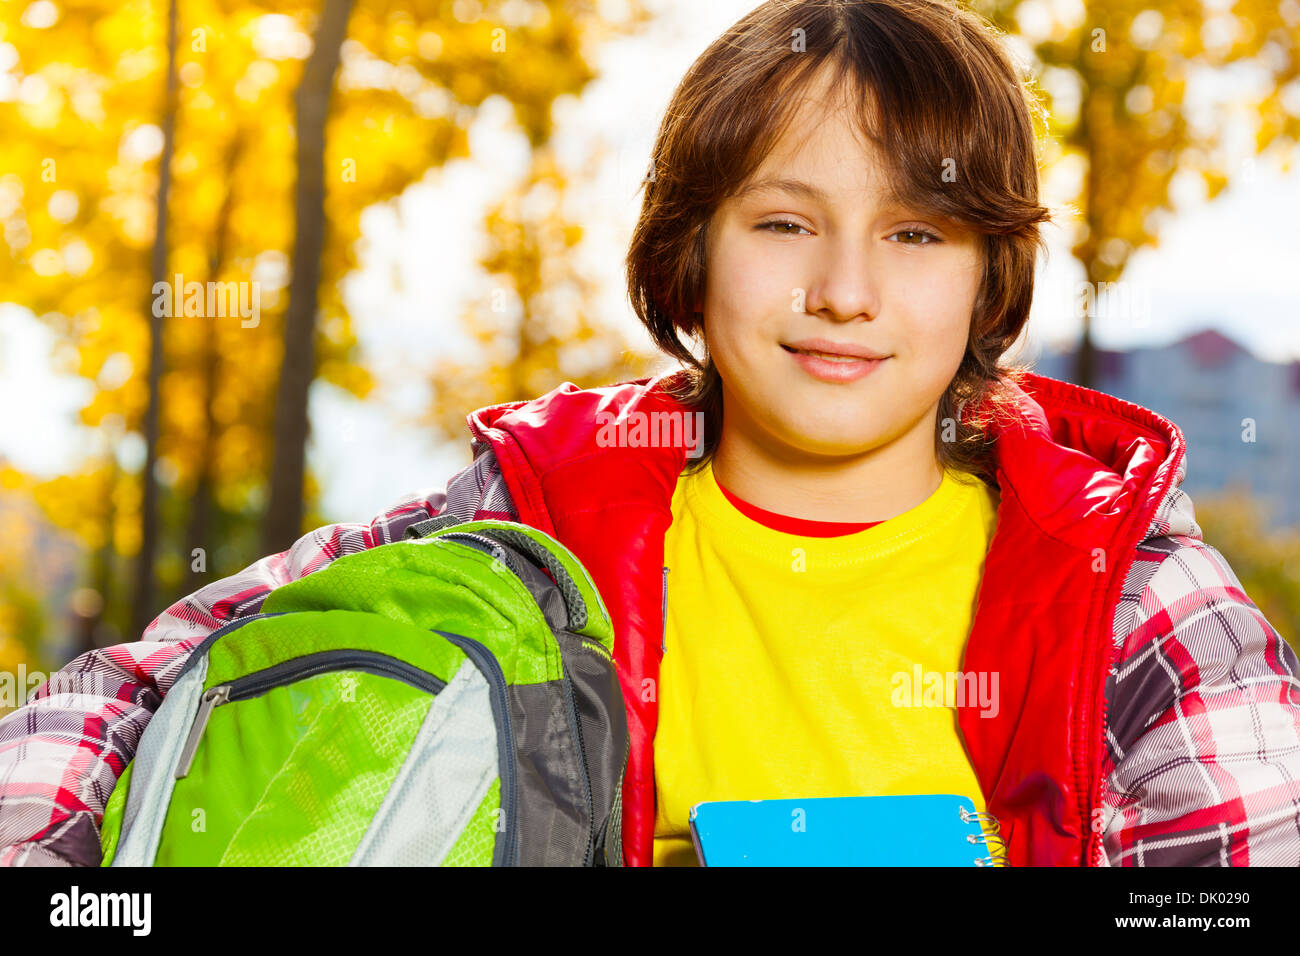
(817, 440)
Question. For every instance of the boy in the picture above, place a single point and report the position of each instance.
(845, 214)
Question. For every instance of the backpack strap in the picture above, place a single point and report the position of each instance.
(422, 529)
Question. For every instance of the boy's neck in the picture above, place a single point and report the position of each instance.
(873, 486)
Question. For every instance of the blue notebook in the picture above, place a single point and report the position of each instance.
(924, 830)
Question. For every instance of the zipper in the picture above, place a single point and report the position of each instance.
(211, 698)
(494, 548)
(663, 611)
(287, 672)
(491, 669)
(590, 849)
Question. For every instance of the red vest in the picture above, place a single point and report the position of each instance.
(1081, 475)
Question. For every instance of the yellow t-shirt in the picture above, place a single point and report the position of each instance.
(799, 666)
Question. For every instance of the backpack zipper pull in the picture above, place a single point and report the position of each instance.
(211, 698)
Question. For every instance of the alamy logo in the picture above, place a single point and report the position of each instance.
(17, 686)
(922, 688)
(652, 430)
(208, 300)
(102, 909)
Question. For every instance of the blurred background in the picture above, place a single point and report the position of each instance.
(382, 215)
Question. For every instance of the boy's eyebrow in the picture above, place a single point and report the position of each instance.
(806, 190)
(796, 187)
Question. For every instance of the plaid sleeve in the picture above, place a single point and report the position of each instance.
(1203, 732)
(62, 752)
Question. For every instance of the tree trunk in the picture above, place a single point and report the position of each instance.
(1085, 362)
(200, 521)
(142, 604)
(90, 625)
(283, 522)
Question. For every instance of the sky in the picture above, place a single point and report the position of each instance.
(1233, 264)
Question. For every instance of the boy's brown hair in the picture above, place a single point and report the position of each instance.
(938, 94)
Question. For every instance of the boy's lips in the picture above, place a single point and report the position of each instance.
(832, 364)
(833, 350)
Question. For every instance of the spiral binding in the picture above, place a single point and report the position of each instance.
(990, 838)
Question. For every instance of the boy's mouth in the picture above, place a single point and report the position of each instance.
(828, 356)
(833, 352)
(834, 362)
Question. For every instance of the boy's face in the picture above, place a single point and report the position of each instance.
(849, 269)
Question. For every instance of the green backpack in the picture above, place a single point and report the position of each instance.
(433, 701)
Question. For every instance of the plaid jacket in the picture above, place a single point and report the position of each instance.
(1201, 732)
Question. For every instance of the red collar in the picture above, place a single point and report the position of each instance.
(807, 527)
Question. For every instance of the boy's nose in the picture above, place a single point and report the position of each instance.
(845, 286)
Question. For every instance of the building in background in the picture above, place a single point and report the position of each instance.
(1214, 389)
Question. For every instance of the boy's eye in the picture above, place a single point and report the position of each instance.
(775, 225)
(932, 238)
